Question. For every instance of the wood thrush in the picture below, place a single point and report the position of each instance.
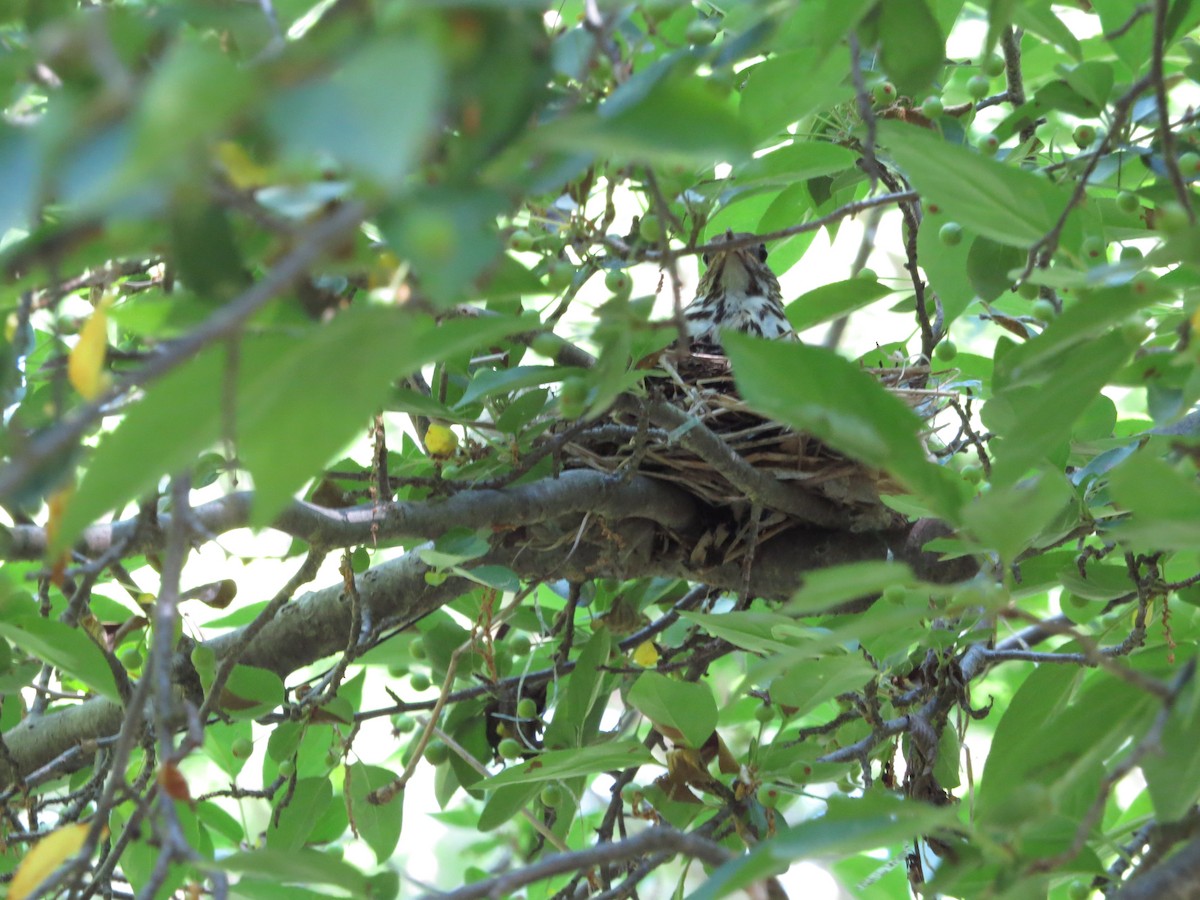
(738, 292)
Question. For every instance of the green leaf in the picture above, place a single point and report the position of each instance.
(1008, 521)
(678, 122)
(1103, 582)
(686, 707)
(816, 391)
(505, 803)
(377, 824)
(794, 163)
(1164, 505)
(299, 403)
(65, 648)
(557, 764)
(455, 546)
(487, 382)
(1041, 19)
(358, 118)
(250, 692)
(1173, 772)
(946, 267)
(806, 684)
(816, 80)
(299, 866)
(749, 629)
(1037, 418)
(850, 826)
(832, 300)
(988, 265)
(914, 47)
(584, 687)
(826, 588)
(1001, 202)
(295, 819)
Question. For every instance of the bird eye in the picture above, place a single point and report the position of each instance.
(707, 257)
(762, 252)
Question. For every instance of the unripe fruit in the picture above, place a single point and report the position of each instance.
(764, 714)
(551, 796)
(989, 144)
(545, 344)
(932, 107)
(650, 229)
(1128, 202)
(894, 594)
(868, 274)
(403, 724)
(1084, 136)
(420, 681)
(241, 748)
(526, 708)
(1078, 890)
(509, 748)
(972, 473)
(951, 234)
(1044, 310)
(701, 32)
(287, 768)
(1027, 290)
(416, 648)
(768, 796)
(1136, 329)
(993, 66)
(520, 645)
(618, 282)
(132, 659)
(1189, 164)
(884, 94)
(559, 275)
(521, 241)
(1170, 217)
(436, 753)
(946, 350)
(1094, 248)
(978, 86)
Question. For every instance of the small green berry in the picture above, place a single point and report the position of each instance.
(993, 66)
(932, 107)
(1027, 290)
(419, 681)
(989, 144)
(545, 344)
(650, 229)
(1084, 136)
(509, 748)
(436, 753)
(559, 275)
(764, 713)
(416, 648)
(572, 399)
(132, 659)
(951, 234)
(895, 594)
(618, 282)
(701, 32)
(551, 796)
(884, 94)
(1044, 310)
(1170, 217)
(1094, 248)
(241, 748)
(978, 86)
(521, 241)
(1189, 164)
(946, 350)
(972, 473)
(868, 274)
(287, 768)
(520, 645)
(527, 708)
(1128, 202)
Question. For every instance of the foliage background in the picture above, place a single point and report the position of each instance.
(254, 252)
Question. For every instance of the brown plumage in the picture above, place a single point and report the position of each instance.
(738, 292)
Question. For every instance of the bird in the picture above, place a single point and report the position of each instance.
(738, 292)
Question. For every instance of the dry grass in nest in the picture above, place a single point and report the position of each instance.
(702, 387)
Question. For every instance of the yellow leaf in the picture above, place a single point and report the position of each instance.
(56, 505)
(646, 654)
(47, 855)
(85, 365)
(244, 173)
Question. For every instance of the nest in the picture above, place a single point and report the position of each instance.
(701, 386)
